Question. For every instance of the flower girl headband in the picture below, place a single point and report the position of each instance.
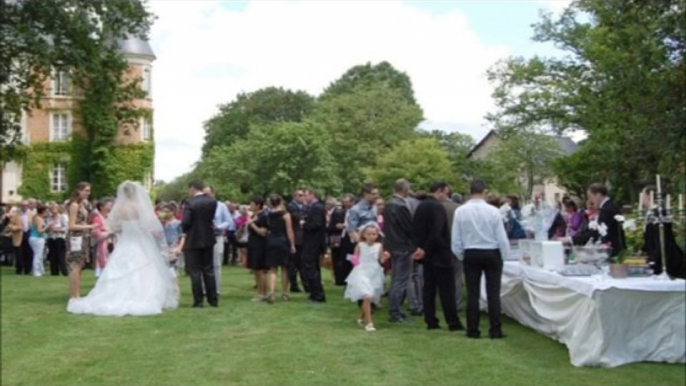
(372, 224)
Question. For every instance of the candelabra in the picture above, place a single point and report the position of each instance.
(663, 217)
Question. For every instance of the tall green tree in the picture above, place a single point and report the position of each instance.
(421, 161)
(623, 82)
(72, 35)
(263, 106)
(457, 145)
(362, 125)
(580, 169)
(367, 77)
(273, 158)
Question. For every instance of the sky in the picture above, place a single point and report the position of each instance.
(209, 51)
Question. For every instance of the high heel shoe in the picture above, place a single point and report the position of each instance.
(270, 298)
(286, 298)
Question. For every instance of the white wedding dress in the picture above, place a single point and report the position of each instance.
(136, 279)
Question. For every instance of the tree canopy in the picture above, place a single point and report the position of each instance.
(363, 124)
(421, 161)
(273, 158)
(271, 104)
(622, 82)
(368, 76)
(72, 35)
(275, 140)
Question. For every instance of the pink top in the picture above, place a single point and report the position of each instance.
(100, 235)
(241, 221)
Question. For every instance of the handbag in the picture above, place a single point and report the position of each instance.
(76, 244)
(335, 240)
(353, 259)
(242, 235)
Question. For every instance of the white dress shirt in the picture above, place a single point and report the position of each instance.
(478, 225)
(25, 226)
(222, 217)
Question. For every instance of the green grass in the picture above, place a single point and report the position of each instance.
(296, 343)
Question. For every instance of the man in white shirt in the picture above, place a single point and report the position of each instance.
(222, 221)
(480, 241)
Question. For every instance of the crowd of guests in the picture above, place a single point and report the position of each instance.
(68, 236)
(429, 243)
(33, 234)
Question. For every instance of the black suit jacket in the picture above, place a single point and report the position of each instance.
(337, 217)
(615, 232)
(296, 215)
(314, 229)
(431, 233)
(198, 222)
(398, 226)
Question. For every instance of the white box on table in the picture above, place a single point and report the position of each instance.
(525, 251)
(515, 251)
(549, 255)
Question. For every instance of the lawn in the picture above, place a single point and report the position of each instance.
(295, 343)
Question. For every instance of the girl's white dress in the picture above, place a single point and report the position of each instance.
(366, 279)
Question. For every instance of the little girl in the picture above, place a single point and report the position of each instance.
(175, 240)
(365, 282)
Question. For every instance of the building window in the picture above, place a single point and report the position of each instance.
(147, 80)
(60, 83)
(146, 130)
(58, 178)
(61, 127)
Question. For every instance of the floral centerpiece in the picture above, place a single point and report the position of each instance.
(633, 241)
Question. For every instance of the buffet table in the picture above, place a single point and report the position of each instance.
(602, 321)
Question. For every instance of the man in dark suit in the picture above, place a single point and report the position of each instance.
(335, 230)
(431, 234)
(314, 244)
(198, 226)
(295, 266)
(450, 207)
(398, 241)
(614, 234)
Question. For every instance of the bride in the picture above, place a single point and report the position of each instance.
(136, 279)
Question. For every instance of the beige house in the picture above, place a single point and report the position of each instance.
(56, 120)
(550, 189)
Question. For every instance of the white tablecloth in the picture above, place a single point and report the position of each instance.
(602, 321)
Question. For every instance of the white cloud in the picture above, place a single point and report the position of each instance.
(556, 6)
(207, 53)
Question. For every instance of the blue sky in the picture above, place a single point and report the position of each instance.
(487, 18)
(209, 51)
(498, 22)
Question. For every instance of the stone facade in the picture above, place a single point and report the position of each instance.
(58, 117)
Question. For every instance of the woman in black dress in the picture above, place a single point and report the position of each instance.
(257, 246)
(280, 245)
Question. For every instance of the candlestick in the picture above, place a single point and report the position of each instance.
(669, 201)
(652, 199)
(659, 189)
(681, 202)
